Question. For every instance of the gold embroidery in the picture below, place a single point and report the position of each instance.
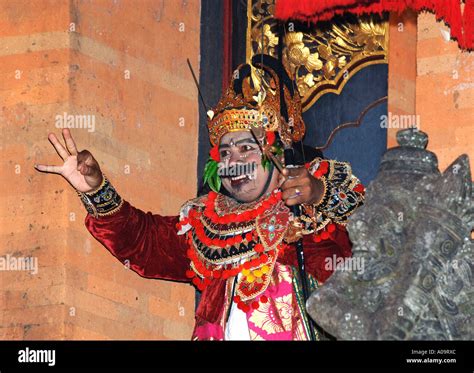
(273, 322)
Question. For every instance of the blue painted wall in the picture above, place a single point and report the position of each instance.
(362, 146)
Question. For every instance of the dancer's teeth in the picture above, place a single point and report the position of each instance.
(238, 177)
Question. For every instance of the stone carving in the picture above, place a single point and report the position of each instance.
(413, 239)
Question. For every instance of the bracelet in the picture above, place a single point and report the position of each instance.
(102, 201)
(102, 184)
(343, 193)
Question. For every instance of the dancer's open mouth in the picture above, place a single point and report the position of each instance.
(239, 181)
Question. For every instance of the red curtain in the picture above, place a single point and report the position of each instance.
(462, 25)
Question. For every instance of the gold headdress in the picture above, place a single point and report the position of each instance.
(245, 104)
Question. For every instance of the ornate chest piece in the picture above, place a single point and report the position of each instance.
(228, 239)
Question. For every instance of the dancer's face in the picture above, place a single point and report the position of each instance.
(237, 149)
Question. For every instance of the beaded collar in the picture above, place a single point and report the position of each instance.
(227, 238)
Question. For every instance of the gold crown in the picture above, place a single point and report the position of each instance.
(245, 104)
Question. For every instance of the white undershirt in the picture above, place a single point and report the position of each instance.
(237, 328)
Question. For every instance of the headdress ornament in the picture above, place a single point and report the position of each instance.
(249, 102)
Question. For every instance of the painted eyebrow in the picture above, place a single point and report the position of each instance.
(238, 142)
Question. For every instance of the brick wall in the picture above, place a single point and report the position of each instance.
(401, 68)
(126, 65)
(431, 77)
(34, 70)
(444, 92)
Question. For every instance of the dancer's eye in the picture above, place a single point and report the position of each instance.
(246, 148)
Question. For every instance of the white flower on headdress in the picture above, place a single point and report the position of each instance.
(260, 97)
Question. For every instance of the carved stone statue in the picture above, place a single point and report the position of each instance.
(413, 239)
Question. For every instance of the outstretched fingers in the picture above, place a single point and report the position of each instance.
(70, 144)
(49, 169)
(58, 146)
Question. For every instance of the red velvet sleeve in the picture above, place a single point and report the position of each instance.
(149, 242)
(315, 254)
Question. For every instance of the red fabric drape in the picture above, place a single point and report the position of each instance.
(469, 24)
(462, 25)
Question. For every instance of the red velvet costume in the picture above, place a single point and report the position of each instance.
(150, 245)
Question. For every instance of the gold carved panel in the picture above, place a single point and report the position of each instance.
(320, 59)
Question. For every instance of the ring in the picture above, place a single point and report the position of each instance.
(297, 192)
